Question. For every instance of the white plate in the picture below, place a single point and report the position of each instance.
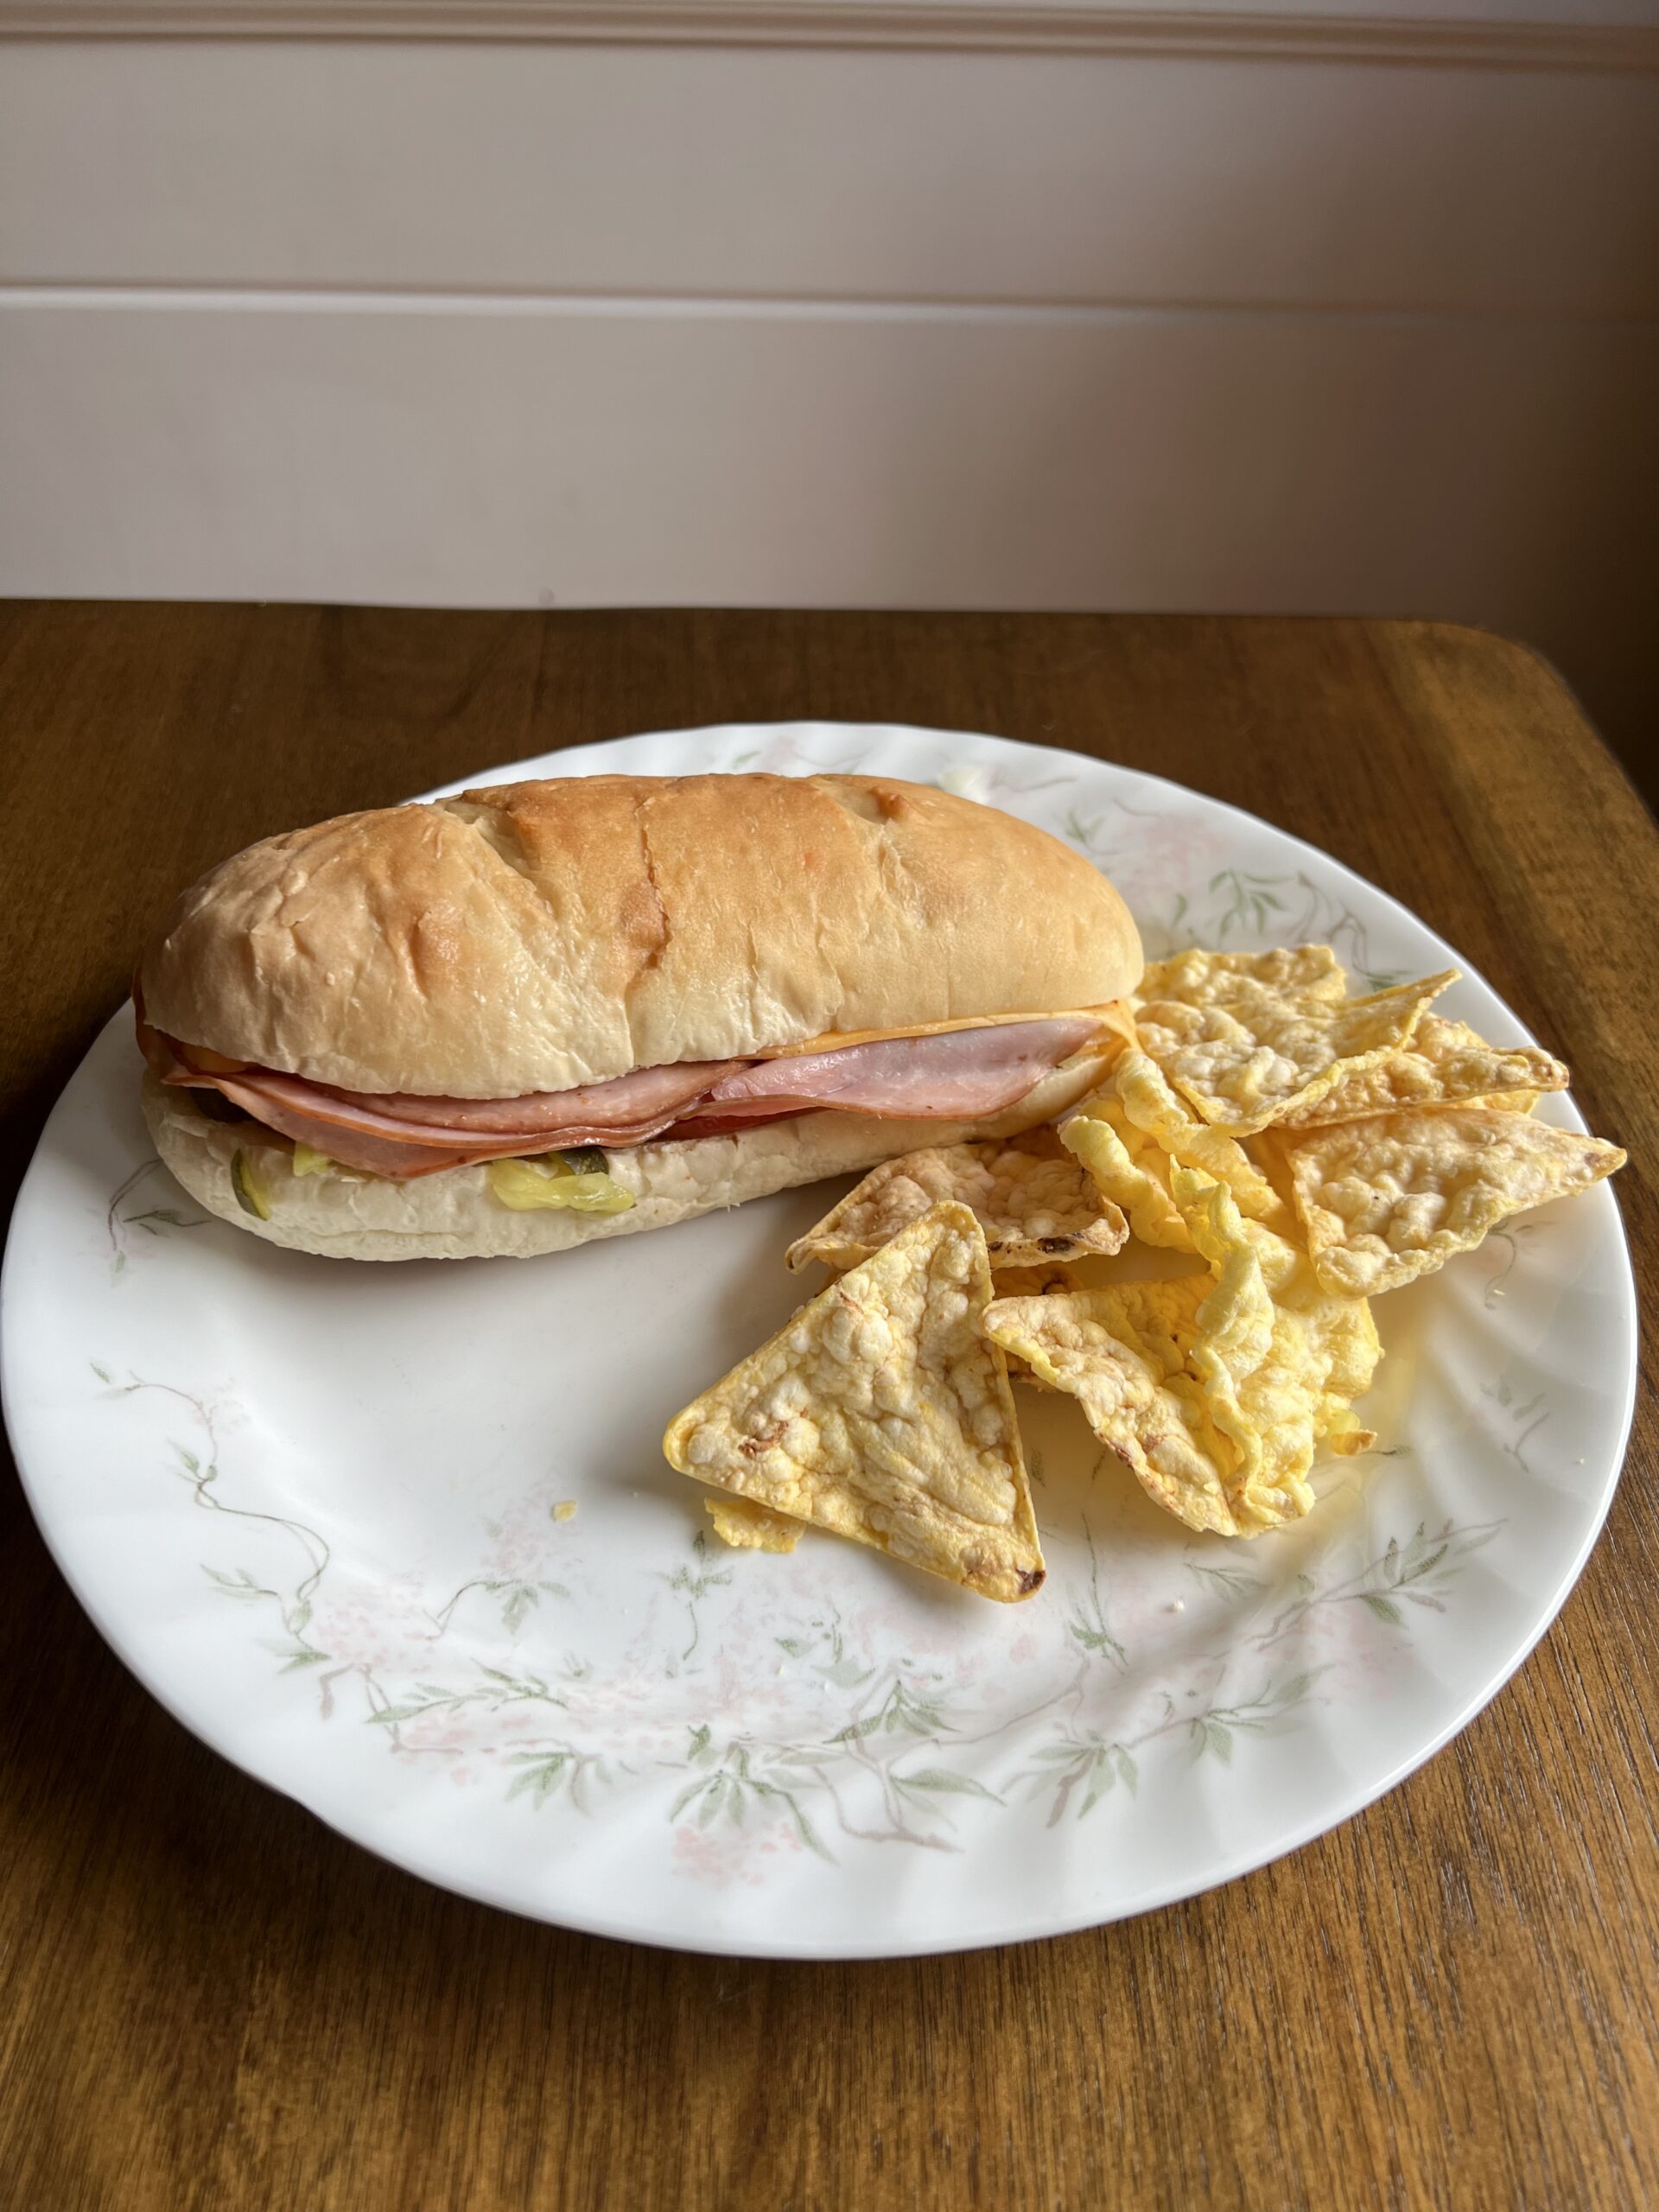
(315, 1507)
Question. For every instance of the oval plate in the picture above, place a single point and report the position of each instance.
(322, 1511)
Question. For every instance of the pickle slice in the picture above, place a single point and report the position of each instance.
(524, 1185)
(249, 1184)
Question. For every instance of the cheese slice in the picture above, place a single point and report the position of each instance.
(1115, 1016)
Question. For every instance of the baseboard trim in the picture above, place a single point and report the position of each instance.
(994, 25)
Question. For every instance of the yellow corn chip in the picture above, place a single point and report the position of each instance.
(1216, 1392)
(1235, 1323)
(1081, 1343)
(1128, 1168)
(1386, 1201)
(1324, 1353)
(879, 1413)
(1253, 1056)
(1131, 1356)
(748, 1527)
(1445, 1064)
(1029, 1282)
(1032, 1199)
(1321, 1352)
(1152, 1106)
(1199, 978)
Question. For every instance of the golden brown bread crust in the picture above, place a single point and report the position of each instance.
(539, 936)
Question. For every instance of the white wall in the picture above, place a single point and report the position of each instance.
(491, 322)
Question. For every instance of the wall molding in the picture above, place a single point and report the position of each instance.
(960, 25)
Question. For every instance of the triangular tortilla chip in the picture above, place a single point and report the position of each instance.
(1386, 1200)
(1250, 1055)
(1132, 1384)
(1236, 1322)
(879, 1413)
(1200, 978)
(1032, 1199)
(1445, 1064)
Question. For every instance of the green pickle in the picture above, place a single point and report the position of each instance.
(307, 1160)
(553, 1181)
(250, 1187)
(583, 1159)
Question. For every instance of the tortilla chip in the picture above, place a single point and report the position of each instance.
(1152, 1106)
(1216, 1391)
(1031, 1197)
(1321, 1353)
(1445, 1064)
(1386, 1200)
(879, 1413)
(1030, 1282)
(1251, 1056)
(1200, 978)
(1324, 1354)
(1129, 1169)
(1236, 1321)
(1131, 1132)
(748, 1527)
(1085, 1343)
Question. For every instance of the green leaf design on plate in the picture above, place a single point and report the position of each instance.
(942, 1781)
(856, 1773)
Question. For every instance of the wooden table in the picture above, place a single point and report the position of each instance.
(207, 2000)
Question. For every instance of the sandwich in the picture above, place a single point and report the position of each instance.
(541, 1013)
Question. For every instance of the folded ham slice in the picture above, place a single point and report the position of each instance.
(385, 1147)
(356, 1144)
(962, 1075)
(626, 1102)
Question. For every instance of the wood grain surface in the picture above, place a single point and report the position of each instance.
(207, 2000)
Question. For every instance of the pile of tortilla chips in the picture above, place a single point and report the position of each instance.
(1304, 1151)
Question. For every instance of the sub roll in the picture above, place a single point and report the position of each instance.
(514, 1022)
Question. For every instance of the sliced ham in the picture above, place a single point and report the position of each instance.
(371, 1130)
(402, 1135)
(163, 1057)
(962, 1074)
(626, 1102)
(383, 1147)
(394, 1158)
(965, 1075)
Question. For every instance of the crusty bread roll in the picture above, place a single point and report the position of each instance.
(541, 936)
(456, 1216)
